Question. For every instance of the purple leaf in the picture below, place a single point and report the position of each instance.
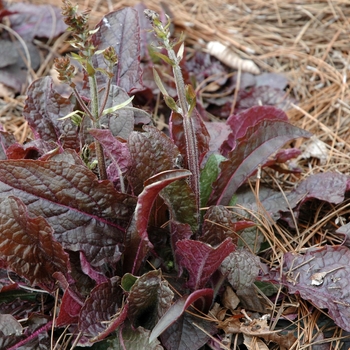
(115, 150)
(15, 75)
(29, 21)
(28, 246)
(241, 268)
(151, 153)
(117, 320)
(42, 110)
(200, 130)
(252, 150)
(329, 187)
(149, 298)
(70, 307)
(322, 277)
(263, 95)
(185, 333)
(239, 123)
(220, 223)
(201, 260)
(179, 231)
(178, 308)
(120, 29)
(137, 231)
(86, 214)
(100, 307)
(120, 123)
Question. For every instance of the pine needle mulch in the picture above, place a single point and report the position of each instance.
(306, 41)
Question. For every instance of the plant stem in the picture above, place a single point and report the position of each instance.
(96, 124)
(190, 136)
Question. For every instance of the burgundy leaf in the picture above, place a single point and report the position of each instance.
(187, 333)
(201, 260)
(201, 132)
(28, 245)
(137, 231)
(86, 214)
(322, 277)
(151, 153)
(220, 223)
(177, 309)
(241, 268)
(263, 95)
(252, 150)
(179, 231)
(149, 298)
(100, 307)
(120, 29)
(120, 123)
(115, 150)
(69, 309)
(42, 110)
(29, 20)
(239, 123)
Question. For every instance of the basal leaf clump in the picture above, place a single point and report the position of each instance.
(101, 211)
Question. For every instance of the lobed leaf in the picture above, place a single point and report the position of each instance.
(28, 246)
(149, 298)
(252, 150)
(86, 214)
(201, 260)
(120, 29)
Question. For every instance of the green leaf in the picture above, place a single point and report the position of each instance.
(149, 299)
(119, 106)
(159, 83)
(208, 175)
(165, 58)
(128, 281)
(181, 202)
(170, 102)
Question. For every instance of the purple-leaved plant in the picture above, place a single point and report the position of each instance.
(110, 246)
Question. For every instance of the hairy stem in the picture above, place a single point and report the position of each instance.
(190, 136)
(96, 124)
